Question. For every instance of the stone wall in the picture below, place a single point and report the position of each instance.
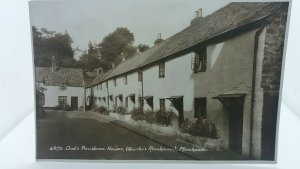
(274, 44)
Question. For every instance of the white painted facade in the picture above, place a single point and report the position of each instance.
(229, 70)
(133, 88)
(53, 92)
(178, 81)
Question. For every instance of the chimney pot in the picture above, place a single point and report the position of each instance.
(158, 39)
(53, 64)
(200, 12)
(196, 14)
(159, 36)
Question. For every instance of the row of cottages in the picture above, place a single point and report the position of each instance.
(224, 67)
(62, 87)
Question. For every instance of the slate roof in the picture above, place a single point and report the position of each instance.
(70, 76)
(230, 17)
(100, 78)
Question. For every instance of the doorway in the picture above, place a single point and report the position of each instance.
(74, 103)
(234, 104)
(178, 105)
(235, 119)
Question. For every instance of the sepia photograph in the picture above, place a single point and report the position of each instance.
(195, 80)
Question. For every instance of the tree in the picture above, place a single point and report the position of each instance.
(90, 59)
(143, 47)
(116, 43)
(50, 43)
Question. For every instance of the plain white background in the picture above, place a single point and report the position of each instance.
(17, 144)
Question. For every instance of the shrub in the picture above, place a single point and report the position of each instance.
(121, 110)
(164, 117)
(60, 107)
(102, 110)
(186, 126)
(137, 114)
(94, 107)
(66, 107)
(201, 127)
(150, 116)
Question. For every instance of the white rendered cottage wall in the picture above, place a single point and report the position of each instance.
(88, 94)
(52, 93)
(229, 70)
(178, 81)
(133, 86)
(100, 91)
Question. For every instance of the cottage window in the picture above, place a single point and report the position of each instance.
(162, 105)
(200, 107)
(199, 60)
(62, 101)
(125, 79)
(63, 87)
(100, 86)
(41, 99)
(115, 82)
(161, 67)
(140, 76)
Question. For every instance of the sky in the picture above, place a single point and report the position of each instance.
(92, 20)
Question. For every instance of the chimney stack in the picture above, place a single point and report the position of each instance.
(158, 39)
(99, 71)
(198, 13)
(53, 64)
(198, 16)
(112, 65)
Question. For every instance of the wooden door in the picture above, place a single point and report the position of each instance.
(74, 103)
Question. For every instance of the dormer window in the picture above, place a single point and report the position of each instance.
(161, 68)
(199, 60)
(62, 87)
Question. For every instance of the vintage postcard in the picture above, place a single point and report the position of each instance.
(191, 80)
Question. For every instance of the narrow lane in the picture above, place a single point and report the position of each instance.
(60, 137)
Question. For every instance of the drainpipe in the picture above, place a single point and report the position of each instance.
(142, 90)
(107, 96)
(84, 96)
(253, 91)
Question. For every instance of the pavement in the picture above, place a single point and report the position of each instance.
(193, 151)
(83, 135)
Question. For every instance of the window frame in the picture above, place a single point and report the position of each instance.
(63, 99)
(199, 60)
(62, 87)
(161, 70)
